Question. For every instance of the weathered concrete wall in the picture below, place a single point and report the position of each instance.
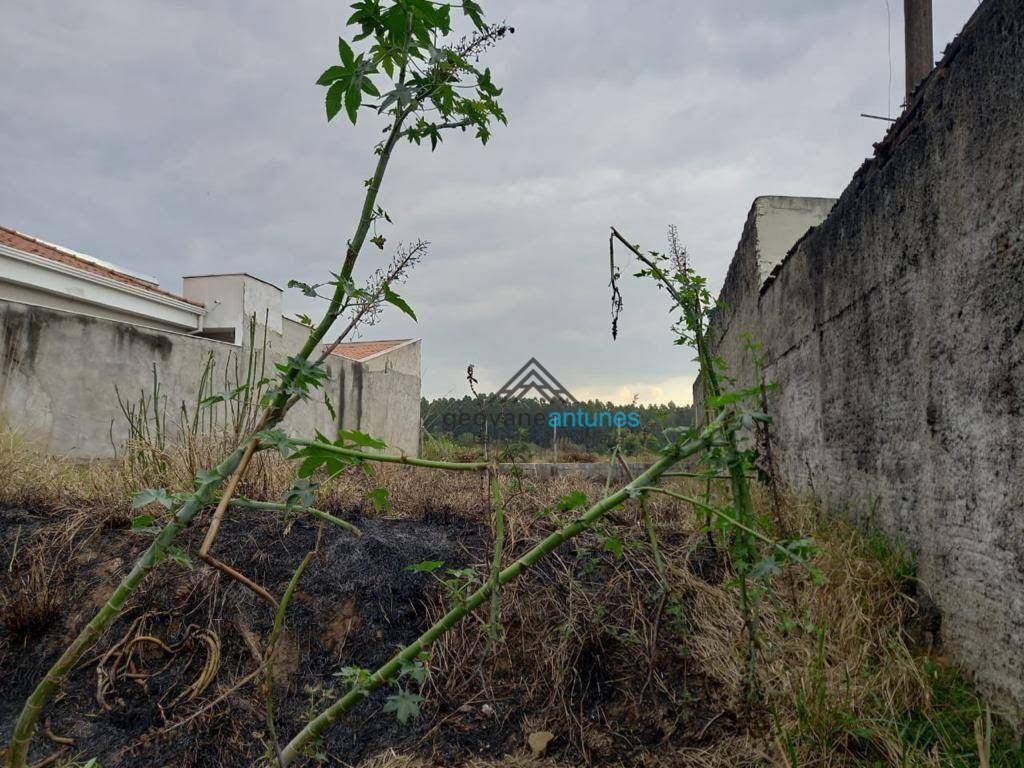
(894, 332)
(773, 225)
(58, 371)
(382, 397)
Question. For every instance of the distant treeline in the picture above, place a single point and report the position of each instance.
(592, 425)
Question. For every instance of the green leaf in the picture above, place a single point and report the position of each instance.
(729, 398)
(766, 568)
(149, 495)
(427, 566)
(345, 51)
(306, 288)
(613, 544)
(574, 500)
(394, 299)
(404, 704)
(207, 476)
(356, 677)
(145, 524)
(211, 400)
(302, 374)
(238, 391)
(276, 438)
(333, 99)
(415, 670)
(368, 87)
(178, 555)
(361, 439)
(333, 74)
(353, 98)
(301, 494)
(379, 497)
(474, 12)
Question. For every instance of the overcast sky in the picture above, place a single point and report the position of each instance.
(188, 137)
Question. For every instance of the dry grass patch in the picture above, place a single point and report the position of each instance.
(618, 667)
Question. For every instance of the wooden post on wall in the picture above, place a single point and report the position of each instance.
(917, 38)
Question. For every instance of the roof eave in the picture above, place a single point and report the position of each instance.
(172, 305)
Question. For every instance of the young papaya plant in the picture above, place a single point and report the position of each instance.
(691, 309)
(404, 67)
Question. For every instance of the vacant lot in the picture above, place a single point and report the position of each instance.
(596, 662)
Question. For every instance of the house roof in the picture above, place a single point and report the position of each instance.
(27, 244)
(363, 350)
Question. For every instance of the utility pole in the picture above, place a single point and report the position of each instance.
(917, 39)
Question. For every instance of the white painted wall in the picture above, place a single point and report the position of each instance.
(38, 280)
(231, 299)
(781, 221)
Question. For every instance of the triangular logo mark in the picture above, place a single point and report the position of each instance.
(534, 380)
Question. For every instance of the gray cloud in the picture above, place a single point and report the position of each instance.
(182, 137)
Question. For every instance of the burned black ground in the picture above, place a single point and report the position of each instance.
(355, 606)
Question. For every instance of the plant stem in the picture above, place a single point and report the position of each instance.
(275, 633)
(271, 506)
(652, 534)
(18, 749)
(454, 466)
(315, 727)
(283, 401)
(499, 548)
(611, 469)
(14, 553)
(733, 521)
(693, 315)
(652, 539)
(701, 475)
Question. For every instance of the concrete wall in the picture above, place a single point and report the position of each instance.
(58, 371)
(382, 396)
(231, 299)
(894, 330)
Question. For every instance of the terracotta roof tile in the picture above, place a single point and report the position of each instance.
(361, 350)
(17, 240)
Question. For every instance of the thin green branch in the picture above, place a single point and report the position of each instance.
(275, 633)
(271, 506)
(693, 314)
(498, 505)
(233, 465)
(17, 750)
(652, 534)
(454, 466)
(733, 521)
(703, 475)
